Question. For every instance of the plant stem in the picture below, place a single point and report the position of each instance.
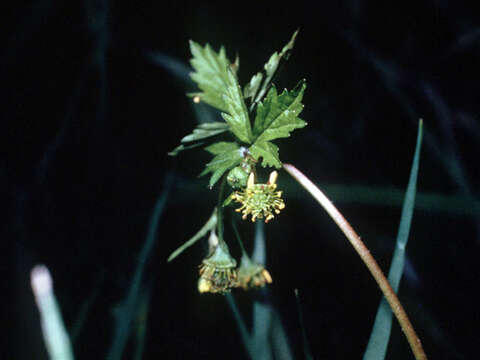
(220, 210)
(237, 235)
(366, 257)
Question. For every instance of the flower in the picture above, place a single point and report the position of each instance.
(260, 200)
(217, 271)
(252, 275)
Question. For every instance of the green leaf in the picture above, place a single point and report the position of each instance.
(272, 65)
(220, 89)
(211, 74)
(221, 147)
(252, 87)
(236, 65)
(182, 147)
(242, 326)
(377, 346)
(205, 130)
(236, 115)
(209, 225)
(267, 151)
(277, 117)
(202, 131)
(228, 155)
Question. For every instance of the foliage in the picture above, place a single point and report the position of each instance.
(244, 146)
(276, 115)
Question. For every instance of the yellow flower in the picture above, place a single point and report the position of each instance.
(252, 275)
(217, 272)
(260, 200)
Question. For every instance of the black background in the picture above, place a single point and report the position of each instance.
(87, 119)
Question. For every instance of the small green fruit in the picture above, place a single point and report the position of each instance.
(237, 177)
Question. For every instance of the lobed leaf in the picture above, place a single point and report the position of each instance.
(236, 115)
(277, 117)
(201, 132)
(272, 65)
(182, 147)
(228, 155)
(268, 152)
(211, 74)
(205, 130)
(221, 147)
(252, 87)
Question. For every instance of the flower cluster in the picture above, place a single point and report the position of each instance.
(259, 200)
(252, 275)
(218, 272)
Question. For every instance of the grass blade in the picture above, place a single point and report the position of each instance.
(280, 345)
(129, 307)
(306, 346)
(242, 327)
(56, 337)
(141, 322)
(262, 323)
(85, 309)
(377, 346)
(262, 313)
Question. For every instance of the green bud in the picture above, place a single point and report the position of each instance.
(237, 177)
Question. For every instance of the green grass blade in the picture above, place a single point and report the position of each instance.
(259, 254)
(280, 345)
(269, 339)
(85, 308)
(56, 337)
(242, 327)
(433, 203)
(141, 322)
(262, 321)
(306, 346)
(129, 307)
(262, 313)
(377, 346)
(388, 196)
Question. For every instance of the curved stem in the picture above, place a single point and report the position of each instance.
(366, 257)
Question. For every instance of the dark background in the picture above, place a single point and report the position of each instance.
(88, 116)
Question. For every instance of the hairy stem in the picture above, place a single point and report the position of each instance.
(366, 257)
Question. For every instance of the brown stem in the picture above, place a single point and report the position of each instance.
(367, 258)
